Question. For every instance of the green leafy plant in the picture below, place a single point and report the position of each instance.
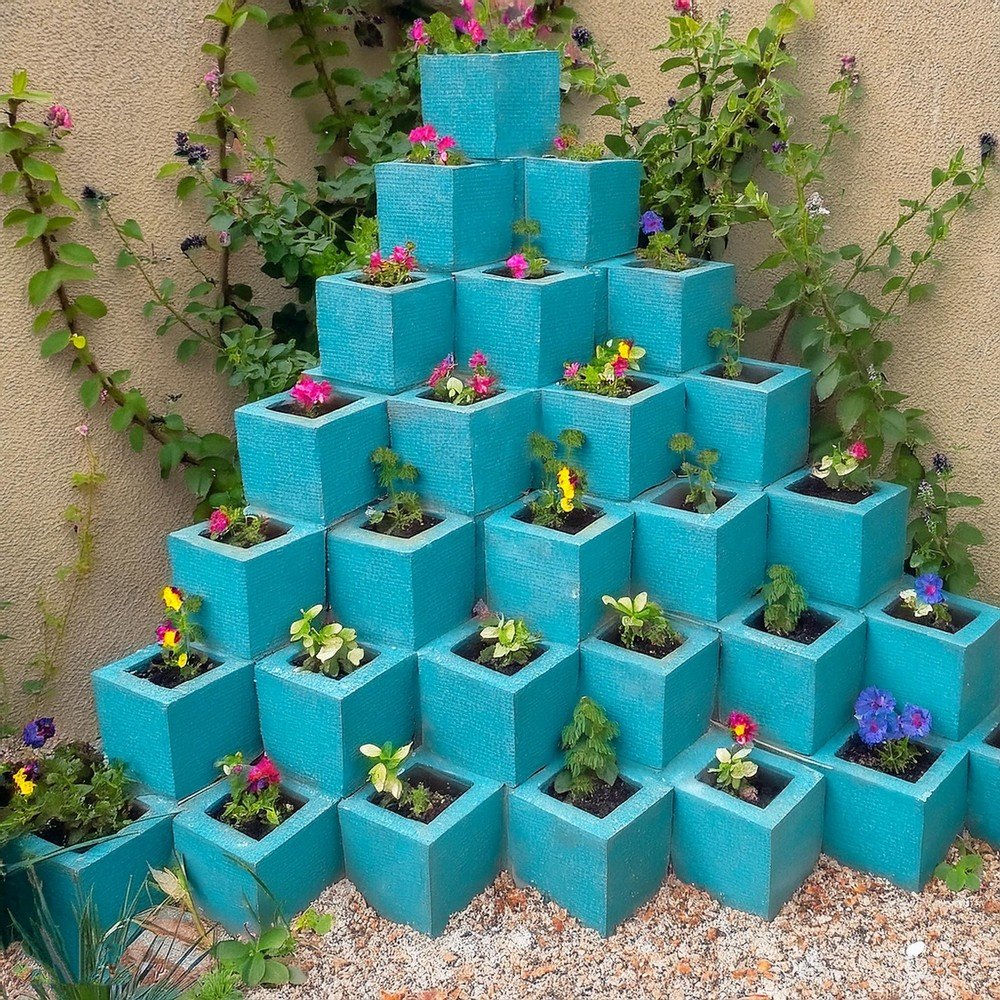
(735, 768)
(391, 271)
(643, 619)
(527, 261)
(384, 773)
(965, 872)
(845, 468)
(784, 600)
(567, 145)
(507, 642)
(331, 649)
(403, 510)
(311, 921)
(236, 526)
(663, 253)
(730, 341)
(492, 26)
(606, 374)
(178, 631)
(261, 959)
(563, 483)
(590, 757)
(701, 480)
(221, 983)
(254, 793)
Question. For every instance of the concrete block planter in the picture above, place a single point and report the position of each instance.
(556, 580)
(315, 469)
(529, 327)
(588, 210)
(848, 553)
(747, 856)
(954, 675)
(889, 826)
(386, 339)
(471, 457)
(721, 555)
(171, 738)
(250, 596)
(503, 727)
(600, 870)
(627, 448)
(402, 591)
(601, 268)
(494, 105)
(983, 743)
(421, 873)
(458, 217)
(661, 705)
(296, 861)
(799, 693)
(759, 423)
(312, 725)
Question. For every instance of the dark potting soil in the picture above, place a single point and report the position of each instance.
(336, 401)
(165, 676)
(752, 374)
(576, 520)
(269, 530)
(812, 624)
(857, 751)
(61, 835)
(429, 394)
(993, 739)
(633, 386)
(676, 497)
(504, 272)
(370, 655)
(959, 617)
(258, 828)
(811, 486)
(443, 792)
(411, 280)
(768, 784)
(469, 649)
(603, 800)
(385, 527)
(640, 645)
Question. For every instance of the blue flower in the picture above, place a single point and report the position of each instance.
(873, 727)
(872, 699)
(37, 733)
(651, 222)
(929, 588)
(915, 721)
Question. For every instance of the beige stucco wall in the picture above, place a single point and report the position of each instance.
(128, 72)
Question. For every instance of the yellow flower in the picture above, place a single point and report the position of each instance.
(625, 349)
(79, 342)
(565, 481)
(172, 598)
(171, 639)
(24, 784)
(182, 660)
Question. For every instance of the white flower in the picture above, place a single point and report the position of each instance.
(815, 206)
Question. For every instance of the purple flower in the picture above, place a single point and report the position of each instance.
(779, 146)
(872, 699)
(929, 588)
(915, 721)
(651, 222)
(873, 727)
(37, 733)
(941, 464)
(582, 36)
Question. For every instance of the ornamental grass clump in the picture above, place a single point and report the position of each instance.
(887, 734)
(392, 271)
(255, 805)
(606, 374)
(643, 626)
(331, 649)
(590, 757)
(403, 513)
(567, 145)
(563, 483)
(528, 261)
(784, 600)
(177, 660)
(426, 146)
(235, 526)
(926, 602)
(450, 386)
(735, 769)
(701, 496)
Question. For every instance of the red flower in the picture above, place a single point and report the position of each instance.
(262, 775)
(742, 728)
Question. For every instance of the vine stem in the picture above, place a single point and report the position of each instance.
(221, 130)
(298, 7)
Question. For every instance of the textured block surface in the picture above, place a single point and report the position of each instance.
(983, 817)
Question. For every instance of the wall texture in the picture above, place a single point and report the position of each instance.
(129, 74)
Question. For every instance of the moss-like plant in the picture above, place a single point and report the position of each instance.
(590, 758)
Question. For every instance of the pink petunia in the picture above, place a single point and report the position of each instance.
(482, 384)
(571, 370)
(262, 775)
(418, 34)
(442, 370)
(478, 360)
(518, 265)
(218, 522)
(423, 133)
(309, 393)
(859, 450)
(445, 143)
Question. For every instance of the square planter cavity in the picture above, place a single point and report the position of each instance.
(170, 738)
(983, 743)
(847, 553)
(313, 468)
(759, 423)
(599, 869)
(421, 873)
(494, 105)
(250, 596)
(702, 565)
(627, 448)
(529, 328)
(456, 216)
(889, 826)
(503, 727)
(313, 725)
(471, 458)
(403, 591)
(748, 856)
(240, 881)
(386, 339)
(800, 693)
(553, 579)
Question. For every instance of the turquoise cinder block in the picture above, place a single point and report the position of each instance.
(171, 738)
(457, 216)
(800, 694)
(777, 846)
(494, 104)
(553, 579)
(600, 870)
(529, 327)
(295, 862)
(760, 429)
(504, 727)
(250, 596)
(402, 591)
(588, 210)
(983, 817)
(385, 339)
(471, 458)
(312, 725)
(888, 826)
(701, 565)
(421, 873)
(661, 705)
(316, 469)
(627, 448)
(956, 676)
(841, 552)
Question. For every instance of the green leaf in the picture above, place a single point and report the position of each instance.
(186, 185)
(136, 437)
(253, 970)
(230, 952)
(849, 410)
(90, 391)
(76, 253)
(54, 343)
(91, 306)
(130, 228)
(39, 169)
(918, 293)
(169, 169)
(187, 349)
(273, 937)
(121, 419)
(244, 81)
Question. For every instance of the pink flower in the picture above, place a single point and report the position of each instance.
(82, 429)
(518, 265)
(482, 384)
(245, 179)
(472, 28)
(403, 256)
(560, 143)
(683, 6)
(571, 370)
(742, 728)
(442, 370)
(423, 133)
(262, 775)
(446, 142)
(375, 260)
(468, 5)
(309, 394)
(212, 79)
(351, 161)
(478, 360)
(218, 522)
(619, 366)
(162, 629)
(418, 34)
(859, 450)
(58, 116)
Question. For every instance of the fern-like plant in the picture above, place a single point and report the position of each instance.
(590, 758)
(784, 600)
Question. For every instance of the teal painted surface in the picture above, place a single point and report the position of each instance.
(421, 873)
(402, 591)
(983, 815)
(761, 430)
(314, 469)
(313, 725)
(747, 857)
(170, 738)
(530, 327)
(882, 824)
(386, 339)
(503, 727)
(600, 870)
(841, 552)
(955, 676)
(493, 104)
(296, 861)
(458, 217)
(601, 268)
(588, 210)
(702, 565)
(662, 705)
(555, 580)
(250, 596)
(471, 458)
(800, 694)
(627, 448)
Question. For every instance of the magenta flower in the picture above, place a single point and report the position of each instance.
(478, 360)
(571, 370)
(468, 6)
(262, 775)
(472, 28)
(58, 116)
(218, 524)
(310, 394)
(518, 265)
(482, 384)
(213, 80)
(742, 728)
(423, 133)
(403, 256)
(683, 6)
(619, 366)
(161, 631)
(375, 260)
(859, 450)
(442, 370)
(445, 143)
(418, 34)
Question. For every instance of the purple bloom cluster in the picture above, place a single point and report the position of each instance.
(878, 721)
(194, 153)
(38, 732)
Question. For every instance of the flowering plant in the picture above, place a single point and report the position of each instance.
(389, 272)
(385, 779)
(254, 793)
(606, 373)
(234, 526)
(590, 758)
(488, 26)
(426, 146)
(527, 262)
(926, 598)
(310, 395)
(887, 733)
(735, 768)
(403, 510)
(567, 145)
(643, 619)
(563, 484)
(731, 342)
(845, 468)
(661, 250)
(507, 642)
(177, 631)
(451, 388)
(701, 482)
(784, 600)
(331, 650)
